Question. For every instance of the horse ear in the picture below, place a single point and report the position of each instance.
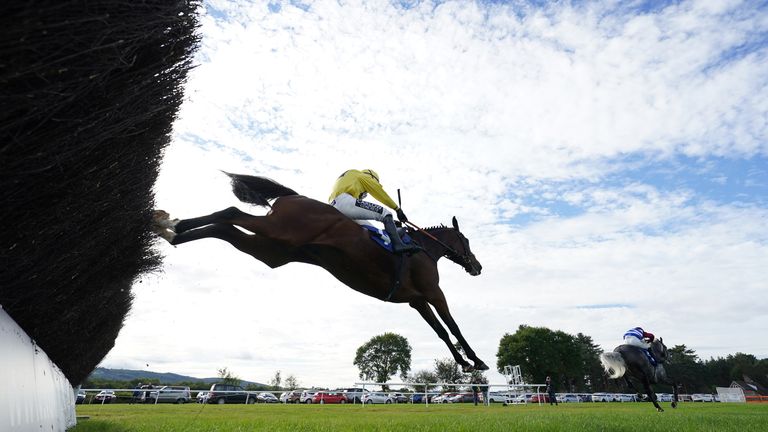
(455, 223)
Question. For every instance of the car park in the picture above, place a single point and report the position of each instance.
(463, 398)
(322, 397)
(664, 397)
(419, 397)
(80, 397)
(170, 394)
(266, 397)
(499, 397)
(625, 397)
(376, 398)
(306, 396)
(229, 393)
(602, 397)
(399, 397)
(105, 396)
(568, 398)
(701, 397)
(354, 394)
(539, 398)
(290, 396)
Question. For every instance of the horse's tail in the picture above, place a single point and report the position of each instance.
(257, 190)
(614, 364)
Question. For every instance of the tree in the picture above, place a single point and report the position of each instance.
(685, 367)
(384, 356)
(276, 381)
(542, 352)
(291, 382)
(594, 376)
(227, 377)
(423, 376)
(448, 371)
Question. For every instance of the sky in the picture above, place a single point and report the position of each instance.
(608, 162)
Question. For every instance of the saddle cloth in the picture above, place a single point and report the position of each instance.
(382, 238)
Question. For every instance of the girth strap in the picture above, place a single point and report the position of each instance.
(398, 276)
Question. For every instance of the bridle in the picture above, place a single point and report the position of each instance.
(450, 253)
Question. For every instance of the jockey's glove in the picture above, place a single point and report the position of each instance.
(401, 216)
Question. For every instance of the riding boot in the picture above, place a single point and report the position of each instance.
(397, 244)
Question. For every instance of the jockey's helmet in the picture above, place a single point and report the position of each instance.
(371, 173)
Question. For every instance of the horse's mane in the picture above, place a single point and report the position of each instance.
(433, 228)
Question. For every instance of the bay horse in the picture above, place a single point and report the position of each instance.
(629, 361)
(301, 229)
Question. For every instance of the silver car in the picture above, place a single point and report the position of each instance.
(170, 394)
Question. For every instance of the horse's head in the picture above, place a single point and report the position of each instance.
(461, 253)
(659, 350)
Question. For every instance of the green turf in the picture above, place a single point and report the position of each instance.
(630, 417)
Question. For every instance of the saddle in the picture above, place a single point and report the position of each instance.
(382, 238)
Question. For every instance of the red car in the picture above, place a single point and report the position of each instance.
(540, 397)
(329, 398)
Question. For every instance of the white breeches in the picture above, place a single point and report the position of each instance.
(631, 340)
(358, 209)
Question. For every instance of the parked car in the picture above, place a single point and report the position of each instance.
(701, 397)
(539, 398)
(462, 398)
(625, 397)
(602, 397)
(499, 397)
(266, 397)
(664, 397)
(399, 397)
(202, 397)
(105, 396)
(419, 397)
(442, 398)
(354, 394)
(323, 397)
(293, 396)
(568, 397)
(80, 397)
(376, 398)
(228, 393)
(170, 394)
(306, 396)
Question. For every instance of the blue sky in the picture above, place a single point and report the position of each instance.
(607, 160)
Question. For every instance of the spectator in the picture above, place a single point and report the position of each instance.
(551, 391)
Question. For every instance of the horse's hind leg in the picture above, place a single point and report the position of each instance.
(441, 306)
(224, 232)
(426, 312)
(226, 216)
(651, 395)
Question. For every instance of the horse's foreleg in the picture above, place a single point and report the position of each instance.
(441, 307)
(649, 391)
(426, 312)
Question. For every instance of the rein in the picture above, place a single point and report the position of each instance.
(426, 233)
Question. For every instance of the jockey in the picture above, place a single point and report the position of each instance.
(639, 338)
(347, 197)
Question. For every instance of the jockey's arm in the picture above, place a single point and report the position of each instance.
(375, 189)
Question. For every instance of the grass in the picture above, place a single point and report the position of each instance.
(630, 417)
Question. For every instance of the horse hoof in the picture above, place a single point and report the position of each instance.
(481, 366)
(659, 409)
(674, 404)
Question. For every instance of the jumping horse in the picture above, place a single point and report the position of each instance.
(301, 229)
(630, 361)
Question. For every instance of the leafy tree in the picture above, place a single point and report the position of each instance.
(685, 367)
(291, 382)
(227, 377)
(594, 376)
(276, 381)
(542, 352)
(448, 371)
(423, 376)
(384, 356)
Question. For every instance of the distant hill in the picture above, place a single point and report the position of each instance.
(164, 377)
